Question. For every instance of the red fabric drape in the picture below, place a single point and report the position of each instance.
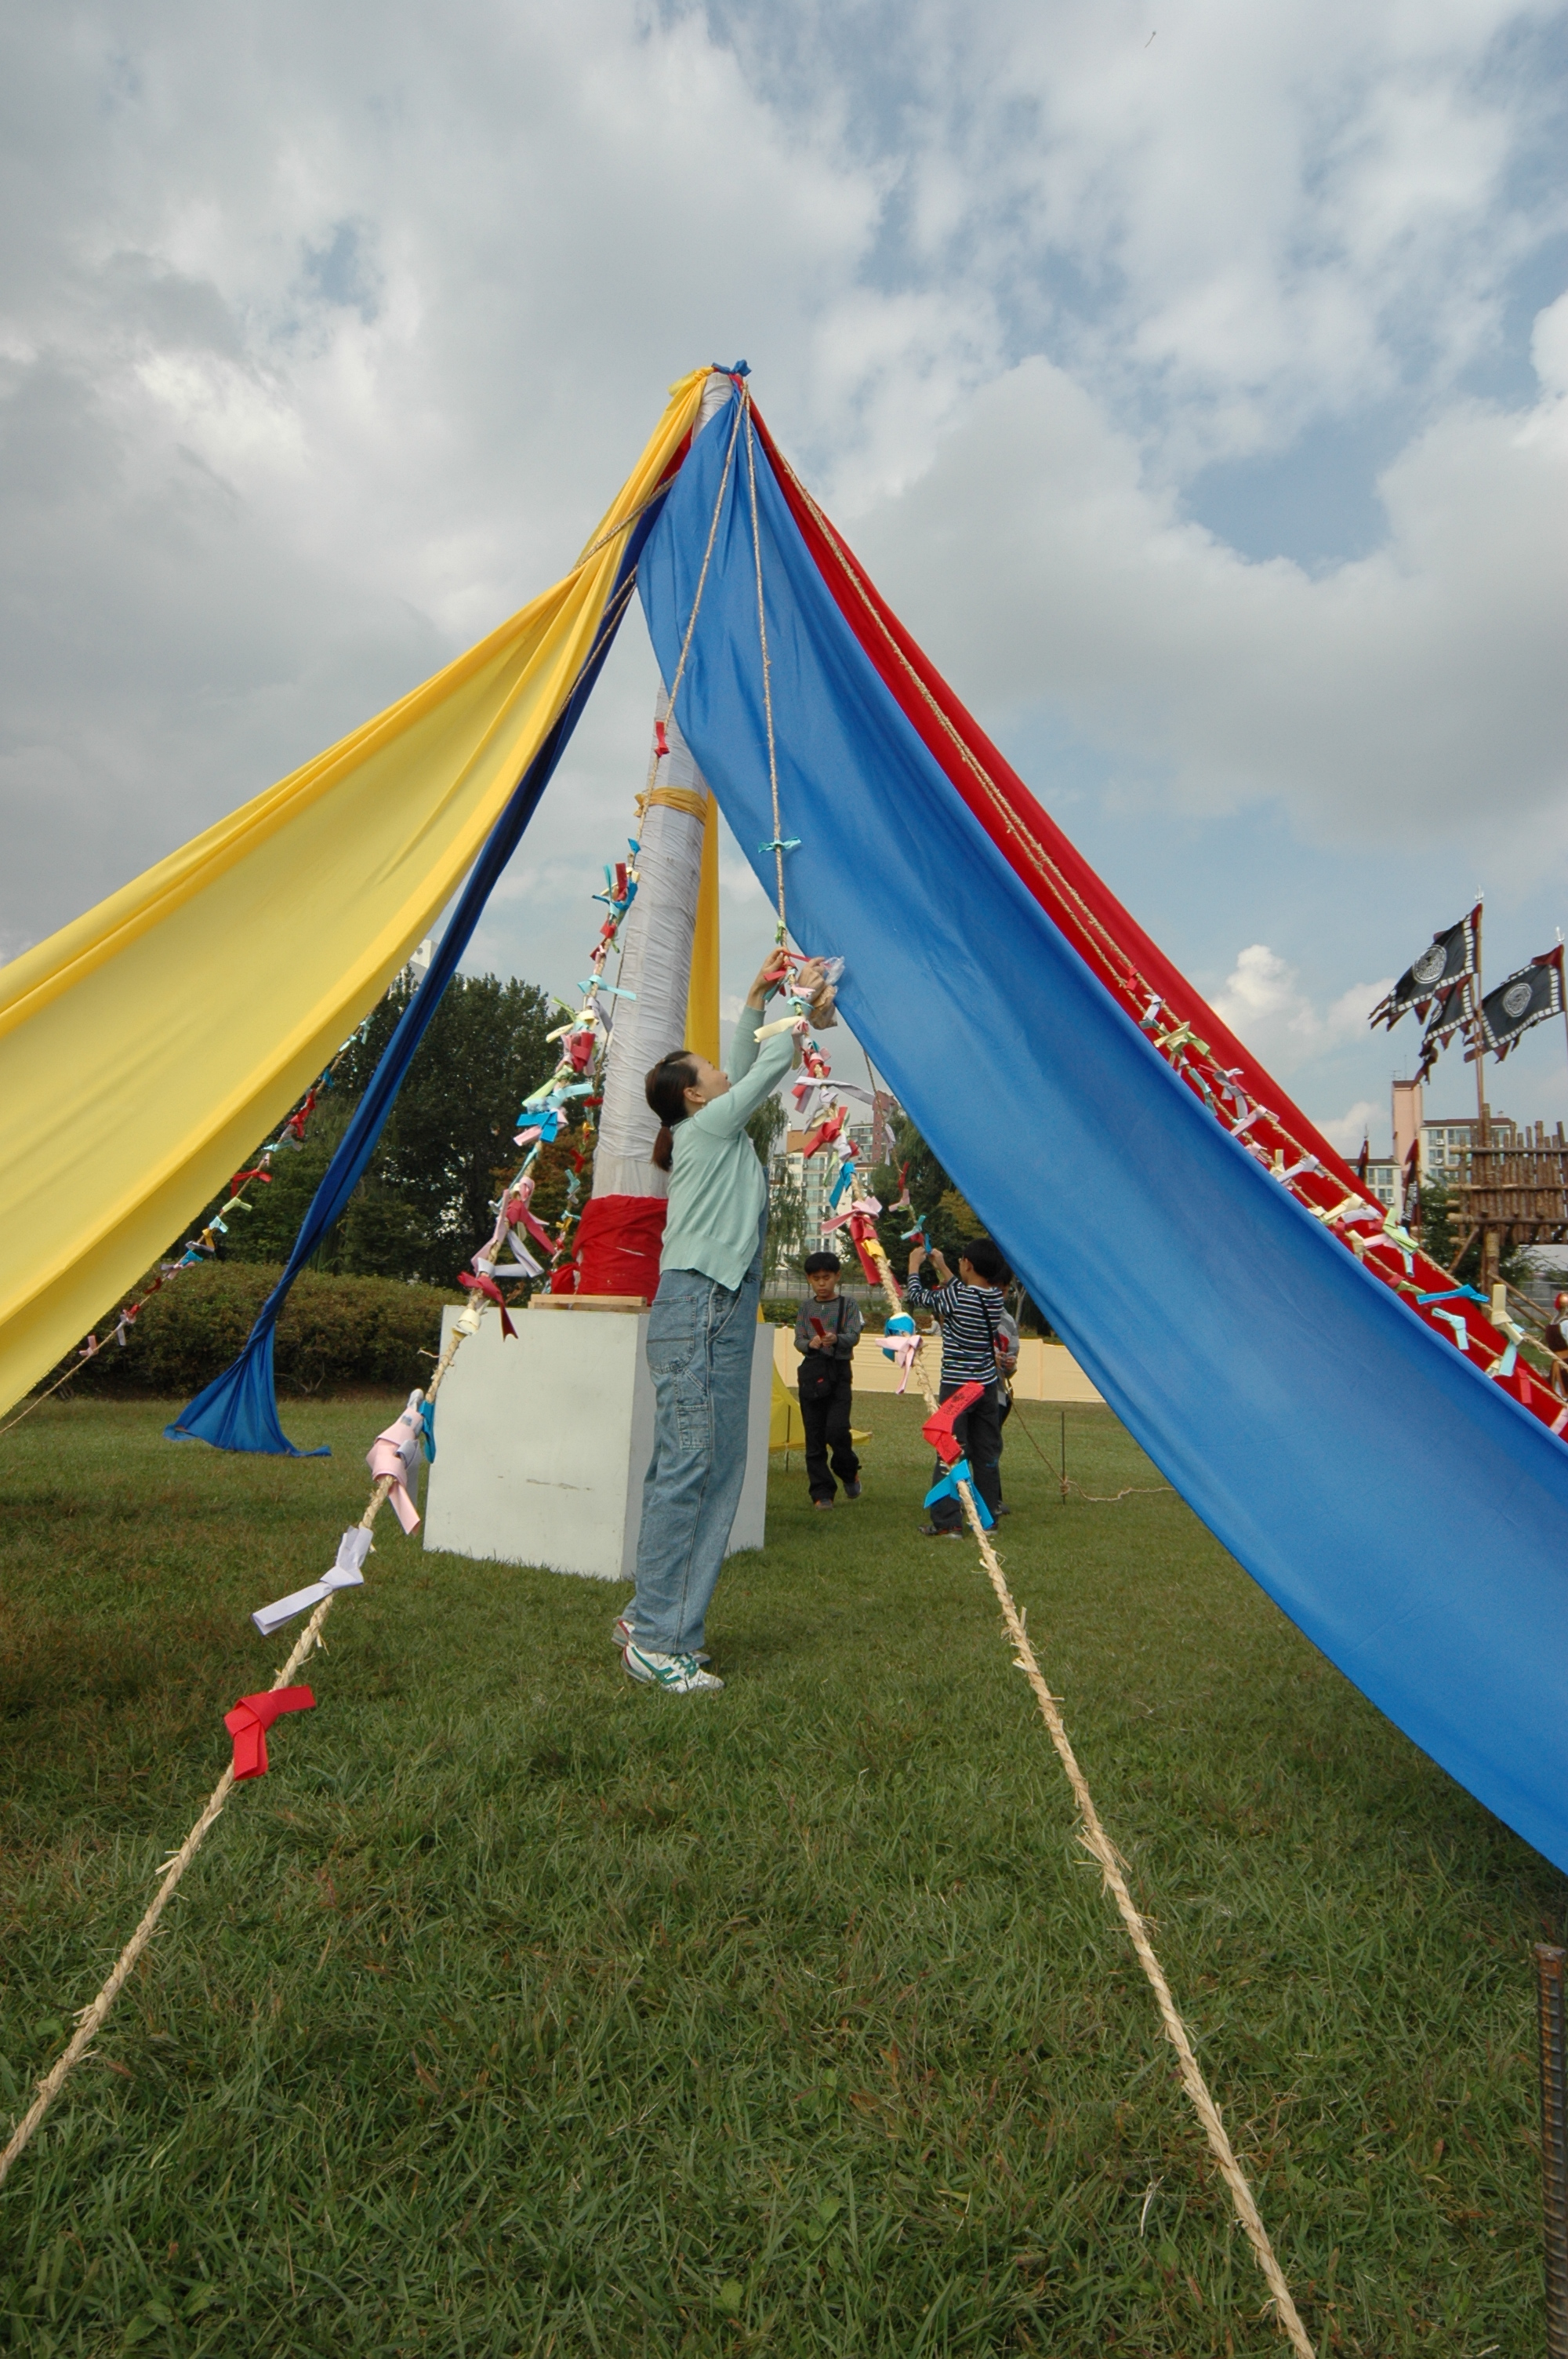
(618, 1245)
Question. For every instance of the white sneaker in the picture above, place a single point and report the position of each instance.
(680, 1674)
(622, 1636)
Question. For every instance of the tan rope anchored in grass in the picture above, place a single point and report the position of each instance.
(1091, 1833)
(1097, 1843)
(89, 2020)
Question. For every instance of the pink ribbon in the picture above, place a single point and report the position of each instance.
(395, 1452)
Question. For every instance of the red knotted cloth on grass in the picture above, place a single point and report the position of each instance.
(938, 1426)
(250, 1719)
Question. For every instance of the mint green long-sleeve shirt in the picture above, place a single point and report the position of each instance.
(718, 1187)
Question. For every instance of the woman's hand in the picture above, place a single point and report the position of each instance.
(774, 969)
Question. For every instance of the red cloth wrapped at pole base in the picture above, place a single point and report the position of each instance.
(938, 1426)
(618, 1243)
(250, 1719)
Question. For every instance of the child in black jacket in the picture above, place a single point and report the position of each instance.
(827, 1329)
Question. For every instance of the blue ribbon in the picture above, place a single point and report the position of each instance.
(949, 1489)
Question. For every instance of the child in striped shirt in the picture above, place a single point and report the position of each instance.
(971, 1309)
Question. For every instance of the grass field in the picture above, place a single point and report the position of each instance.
(521, 2011)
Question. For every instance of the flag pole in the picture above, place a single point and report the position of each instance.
(1478, 1041)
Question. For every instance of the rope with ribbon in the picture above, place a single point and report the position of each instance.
(1260, 1131)
(957, 1476)
(90, 2018)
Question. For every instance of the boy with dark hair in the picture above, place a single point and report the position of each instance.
(971, 1309)
(826, 1329)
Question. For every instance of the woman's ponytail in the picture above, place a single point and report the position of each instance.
(666, 1090)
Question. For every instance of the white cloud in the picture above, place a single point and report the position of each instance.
(1262, 1002)
(1396, 693)
(1250, 217)
(1346, 1131)
(323, 333)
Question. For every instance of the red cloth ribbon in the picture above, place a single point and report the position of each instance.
(296, 1122)
(660, 739)
(938, 1426)
(825, 1133)
(250, 1719)
(517, 1211)
(482, 1285)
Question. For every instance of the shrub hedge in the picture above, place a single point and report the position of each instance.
(332, 1331)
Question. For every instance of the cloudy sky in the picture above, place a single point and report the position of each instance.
(1193, 377)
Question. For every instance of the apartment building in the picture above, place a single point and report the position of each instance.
(815, 1177)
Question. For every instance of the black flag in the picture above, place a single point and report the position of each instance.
(1448, 959)
(1451, 1009)
(1526, 998)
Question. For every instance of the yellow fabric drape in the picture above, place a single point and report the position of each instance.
(702, 988)
(145, 1049)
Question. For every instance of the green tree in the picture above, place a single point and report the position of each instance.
(766, 1127)
(950, 1220)
(424, 1204)
(786, 1225)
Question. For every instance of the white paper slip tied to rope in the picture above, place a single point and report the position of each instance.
(347, 1573)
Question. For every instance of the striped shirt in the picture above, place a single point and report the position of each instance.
(969, 1316)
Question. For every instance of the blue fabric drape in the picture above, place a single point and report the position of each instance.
(1405, 1513)
(238, 1411)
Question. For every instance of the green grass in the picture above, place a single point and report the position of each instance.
(522, 2011)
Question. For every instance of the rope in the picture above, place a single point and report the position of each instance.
(38, 1399)
(778, 849)
(90, 2019)
(1093, 1498)
(702, 577)
(1100, 1848)
(1091, 1832)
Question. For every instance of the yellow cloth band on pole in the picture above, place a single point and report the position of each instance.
(681, 799)
(150, 1045)
(702, 988)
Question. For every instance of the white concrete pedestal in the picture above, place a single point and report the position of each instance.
(542, 1443)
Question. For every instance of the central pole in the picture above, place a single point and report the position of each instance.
(1489, 1254)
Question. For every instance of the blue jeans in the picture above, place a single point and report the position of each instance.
(701, 1340)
